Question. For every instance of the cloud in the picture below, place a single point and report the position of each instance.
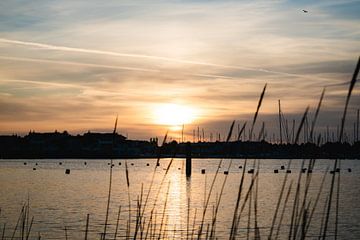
(76, 64)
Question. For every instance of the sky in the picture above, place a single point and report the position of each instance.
(76, 65)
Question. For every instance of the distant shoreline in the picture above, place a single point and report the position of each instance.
(167, 157)
(107, 145)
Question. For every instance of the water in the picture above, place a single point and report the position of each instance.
(58, 200)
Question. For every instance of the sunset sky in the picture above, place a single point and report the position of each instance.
(75, 65)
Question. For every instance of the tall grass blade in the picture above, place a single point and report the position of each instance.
(316, 116)
(236, 209)
(317, 200)
(286, 177)
(117, 223)
(212, 233)
(164, 210)
(230, 131)
(257, 112)
(283, 210)
(280, 133)
(351, 87)
(87, 226)
(29, 228)
(110, 182)
(241, 131)
(3, 232)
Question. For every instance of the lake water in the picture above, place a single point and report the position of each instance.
(59, 201)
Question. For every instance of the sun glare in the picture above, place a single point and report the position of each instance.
(173, 115)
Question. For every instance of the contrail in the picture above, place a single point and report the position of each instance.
(77, 64)
(53, 84)
(151, 57)
(63, 85)
(104, 66)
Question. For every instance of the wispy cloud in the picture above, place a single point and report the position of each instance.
(117, 54)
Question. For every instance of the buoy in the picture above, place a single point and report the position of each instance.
(276, 171)
(25, 163)
(179, 168)
(34, 169)
(240, 166)
(251, 171)
(36, 164)
(108, 163)
(288, 171)
(147, 164)
(282, 167)
(85, 163)
(132, 164)
(202, 171)
(349, 169)
(119, 163)
(67, 171)
(60, 163)
(226, 172)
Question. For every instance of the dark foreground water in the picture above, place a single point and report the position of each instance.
(60, 201)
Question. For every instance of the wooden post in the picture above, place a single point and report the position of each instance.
(188, 159)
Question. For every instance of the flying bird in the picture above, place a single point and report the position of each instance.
(305, 11)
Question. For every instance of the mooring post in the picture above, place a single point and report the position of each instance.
(188, 159)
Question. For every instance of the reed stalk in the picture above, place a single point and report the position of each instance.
(293, 224)
(357, 125)
(351, 87)
(248, 193)
(17, 223)
(3, 232)
(317, 199)
(323, 217)
(207, 200)
(249, 210)
(212, 184)
(29, 228)
(188, 219)
(316, 115)
(257, 231)
(128, 192)
(87, 226)
(110, 183)
(286, 176)
(153, 175)
(66, 235)
(212, 232)
(280, 133)
(164, 210)
(337, 202)
(283, 210)
(234, 221)
(257, 112)
(194, 221)
(241, 131)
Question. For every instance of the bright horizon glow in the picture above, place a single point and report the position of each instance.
(173, 115)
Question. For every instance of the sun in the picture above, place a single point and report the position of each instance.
(173, 115)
